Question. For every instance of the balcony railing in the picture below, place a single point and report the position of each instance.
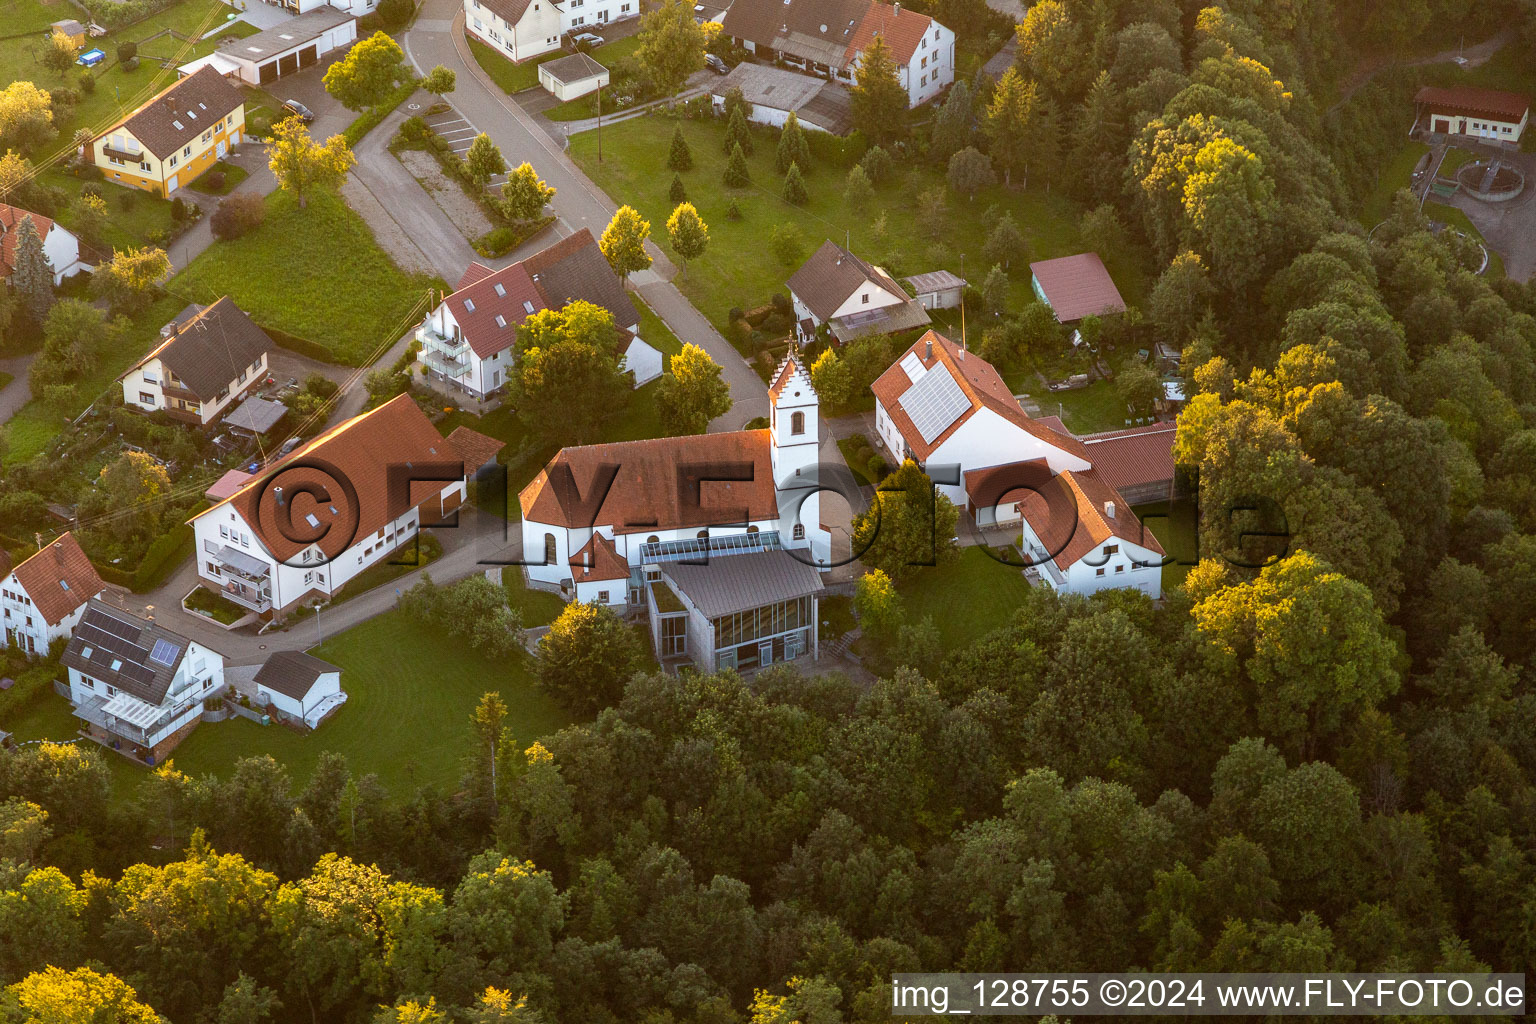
(248, 597)
(446, 365)
(1044, 564)
(431, 338)
(92, 711)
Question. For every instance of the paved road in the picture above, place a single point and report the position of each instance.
(437, 38)
(478, 538)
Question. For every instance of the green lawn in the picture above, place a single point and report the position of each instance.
(234, 174)
(133, 217)
(117, 91)
(410, 695)
(1175, 528)
(1395, 174)
(739, 270)
(517, 77)
(1085, 411)
(538, 607)
(5, 379)
(49, 718)
(316, 273)
(31, 15)
(968, 598)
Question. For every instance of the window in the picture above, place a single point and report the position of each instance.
(653, 539)
(1120, 568)
(1099, 571)
(309, 577)
(1111, 549)
(146, 398)
(864, 298)
(213, 570)
(501, 321)
(924, 63)
(923, 80)
(702, 535)
(173, 161)
(224, 532)
(602, 597)
(186, 151)
(500, 291)
(751, 530)
(469, 305)
(797, 423)
(799, 531)
(550, 549)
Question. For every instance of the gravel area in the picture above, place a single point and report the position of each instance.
(392, 238)
(449, 196)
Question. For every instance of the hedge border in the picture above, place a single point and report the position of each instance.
(370, 119)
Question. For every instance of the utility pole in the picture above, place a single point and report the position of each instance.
(599, 123)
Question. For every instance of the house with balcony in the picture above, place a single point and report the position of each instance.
(850, 297)
(205, 364)
(307, 525)
(42, 598)
(949, 411)
(138, 687)
(829, 38)
(469, 341)
(626, 524)
(176, 136)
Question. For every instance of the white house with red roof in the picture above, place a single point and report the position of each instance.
(304, 527)
(686, 527)
(520, 29)
(468, 341)
(60, 246)
(42, 598)
(829, 37)
(950, 411)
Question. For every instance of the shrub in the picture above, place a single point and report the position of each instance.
(877, 466)
(780, 302)
(127, 51)
(395, 13)
(63, 96)
(92, 188)
(414, 129)
(178, 209)
(787, 244)
(733, 212)
(215, 181)
(238, 215)
(87, 83)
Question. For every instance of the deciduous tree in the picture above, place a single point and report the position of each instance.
(567, 382)
(858, 192)
(832, 379)
(1005, 243)
(55, 994)
(969, 170)
(671, 45)
(525, 193)
(127, 281)
(623, 242)
(586, 657)
(688, 233)
(1139, 387)
(370, 69)
(692, 393)
(483, 161)
(302, 165)
(909, 524)
(26, 117)
(440, 81)
(59, 54)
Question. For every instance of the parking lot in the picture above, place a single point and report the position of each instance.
(459, 132)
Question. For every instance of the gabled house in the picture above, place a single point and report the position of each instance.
(520, 29)
(206, 363)
(300, 686)
(174, 137)
(312, 521)
(829, 37)
(1491, 115)
(852, 297)
(60, 246)
(1075, 287)
(42, 598)
(613, 523)
(469, 340)
(950, 411)
(138, 686)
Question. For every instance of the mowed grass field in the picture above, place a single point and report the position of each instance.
(410, 695)
(739, 268)
(967, 598)
(316, 273)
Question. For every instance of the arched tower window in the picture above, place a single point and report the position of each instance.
(797, 423)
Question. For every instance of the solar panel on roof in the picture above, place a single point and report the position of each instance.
(165, 653)
(934, 402)
(913, 366)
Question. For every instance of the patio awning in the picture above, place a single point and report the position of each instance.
(253, 567)
(128, 709)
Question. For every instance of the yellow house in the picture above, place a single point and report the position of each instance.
(175, 137)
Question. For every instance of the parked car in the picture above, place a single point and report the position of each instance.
(716, 65)
(1072, 383)
(586, 40)
(293, 108)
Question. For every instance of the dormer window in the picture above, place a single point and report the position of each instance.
(501, 321)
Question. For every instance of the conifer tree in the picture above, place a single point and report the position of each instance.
(793, 149)
(680, 158)
(33, 277)
(677, 193)
(737, 133)
(794, 186)
(736, 175)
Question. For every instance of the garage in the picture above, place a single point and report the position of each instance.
(296, 44)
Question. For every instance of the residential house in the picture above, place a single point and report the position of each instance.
(950, 411)
(174, 137)
(60, 246)
(1075, 287)
(300, 686)
(356, 8)
(829, 37)
(937, 289)
(851, 297)
(207, 363)
(606, 522)
(304, 527)
(285, 49)
(138, 686)
(42, 598)
(468, 341)
(521, 29)
(1489, 115)
(773, 93)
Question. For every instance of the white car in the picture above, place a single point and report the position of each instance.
(586, 39)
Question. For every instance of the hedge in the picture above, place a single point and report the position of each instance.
(497, 242)
(29, 684)
(369, 119)
(303, 346)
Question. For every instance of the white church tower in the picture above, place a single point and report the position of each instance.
(795, 422)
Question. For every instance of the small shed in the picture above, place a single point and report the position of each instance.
(300, 685)
(1076, 286)
(71, 28)
(572, 77)
(937, 289)
(257, 415)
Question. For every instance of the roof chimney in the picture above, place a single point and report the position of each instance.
(277, 492)
(928, 348)
(897, 9)
(1109, 509)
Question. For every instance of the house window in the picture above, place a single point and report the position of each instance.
(309, 577)
(1120, 568)
(864, 298)
(1111, 549)
(797, 423)
(1099, 571)
(602, 597)
(224, 532)
(550, 549)
(702, 535)
(173, 160)
(799, 531)
(213, 570)
(146, 398)
(186, 151)
(924, 63)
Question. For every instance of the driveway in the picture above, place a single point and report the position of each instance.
(438, 38)
(17, 393)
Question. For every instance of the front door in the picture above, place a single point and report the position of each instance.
(221, 149)
(765, 654)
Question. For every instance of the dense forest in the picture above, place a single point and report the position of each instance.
(1327, 763)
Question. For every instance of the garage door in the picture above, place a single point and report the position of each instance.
(308, 56)
(269, 72)
(288, 65)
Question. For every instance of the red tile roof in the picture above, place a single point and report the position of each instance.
(1078, 286)
(10, 219)
(1134, 457)
(979, 381)
(902, 29)
(475, 448)
(59, 579)
(598, 560)
(668, 483)
(1070, 516)
(1467, 99)
(361, 452)
(472, 273)
(477, 307)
